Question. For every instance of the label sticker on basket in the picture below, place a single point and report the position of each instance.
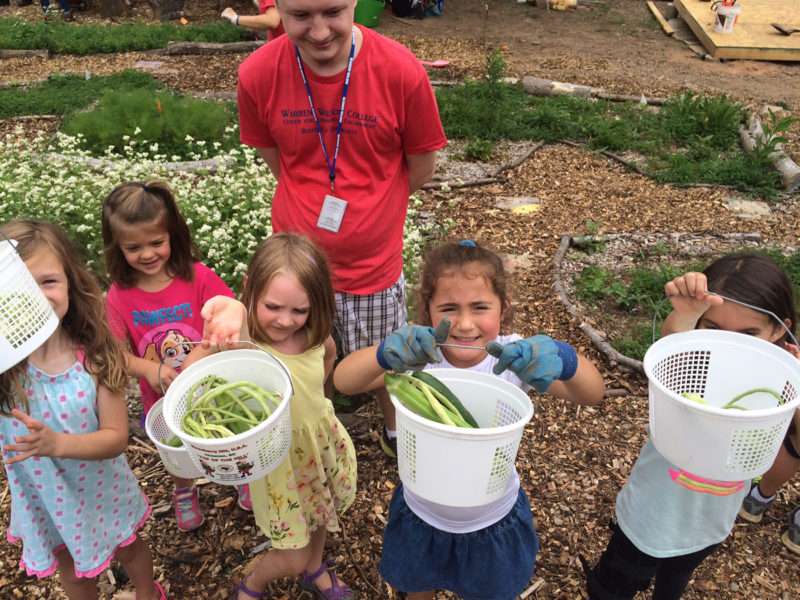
(693, 483)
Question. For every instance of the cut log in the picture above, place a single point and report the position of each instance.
(44, 53)
(212, 48)
(790, 172)
(536, 86)
(660, 18)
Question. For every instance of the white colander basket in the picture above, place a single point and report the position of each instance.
(457, 466)
(710, 441)
(175, 460)
(26, 317)
(247, 456)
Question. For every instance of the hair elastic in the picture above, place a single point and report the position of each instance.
(307, 255)
(467, 243)
(145, 188)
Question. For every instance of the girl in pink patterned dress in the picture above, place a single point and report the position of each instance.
(75, 503)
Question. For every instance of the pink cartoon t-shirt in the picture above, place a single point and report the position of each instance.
(158, 326)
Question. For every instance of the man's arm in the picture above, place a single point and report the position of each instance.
(420, 169)
(270, 156)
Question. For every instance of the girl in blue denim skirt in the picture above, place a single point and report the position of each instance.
(486, 552)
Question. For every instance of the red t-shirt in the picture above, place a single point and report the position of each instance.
(390, 111)
(158, 325)
(263, 5)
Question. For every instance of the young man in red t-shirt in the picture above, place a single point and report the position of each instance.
(346, 157)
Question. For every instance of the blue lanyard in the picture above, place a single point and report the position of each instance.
(331, 166)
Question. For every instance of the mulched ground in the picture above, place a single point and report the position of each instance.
(572, 462)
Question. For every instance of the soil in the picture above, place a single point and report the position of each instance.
(572, 461)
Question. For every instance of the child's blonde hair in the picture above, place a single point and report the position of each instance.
(296, 255)
(465, 258)
(84, 323)
(134, 204)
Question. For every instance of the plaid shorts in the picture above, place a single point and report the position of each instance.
(363, 321)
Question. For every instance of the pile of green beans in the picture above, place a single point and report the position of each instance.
(216, 408)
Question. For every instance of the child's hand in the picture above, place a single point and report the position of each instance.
(41, 441)
(412, 347)
(793, 350)
(225, 319)
(168, 375)
(538, 361)
(229, 14)
(689, 296)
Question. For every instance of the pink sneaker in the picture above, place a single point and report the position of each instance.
(187, 508)
(244, 497)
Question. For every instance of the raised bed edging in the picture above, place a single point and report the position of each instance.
(597, 337)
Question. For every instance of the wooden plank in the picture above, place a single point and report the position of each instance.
(753, 37)
(660, 18)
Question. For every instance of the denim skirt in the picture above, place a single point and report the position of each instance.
(494, 563)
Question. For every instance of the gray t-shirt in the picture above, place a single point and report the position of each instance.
(666, 511)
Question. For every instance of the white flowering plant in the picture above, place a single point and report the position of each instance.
(224, 196)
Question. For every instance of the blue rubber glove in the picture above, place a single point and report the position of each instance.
(412, 347)
(537, 361)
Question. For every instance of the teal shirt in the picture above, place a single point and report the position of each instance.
(666, 511)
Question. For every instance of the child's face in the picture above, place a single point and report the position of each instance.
(146, 248)
(49, 274)
(474, 310)
(729, 316)
(283, 308)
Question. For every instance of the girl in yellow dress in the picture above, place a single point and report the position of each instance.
(287, 307)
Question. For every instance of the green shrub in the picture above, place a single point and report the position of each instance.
(61, 38)
(162, 117)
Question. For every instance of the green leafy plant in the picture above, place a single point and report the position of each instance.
(62, 38)
(163, 118)
(479, 149)
(768, 144)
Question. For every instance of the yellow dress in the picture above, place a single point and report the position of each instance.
(316, 481)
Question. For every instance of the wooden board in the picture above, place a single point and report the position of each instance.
(753, 36)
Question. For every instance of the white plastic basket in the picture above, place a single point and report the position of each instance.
(26, 317)
(175, 460)
(247, 456)
(709, 441)
(458, 466)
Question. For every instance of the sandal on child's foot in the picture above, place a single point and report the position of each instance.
(337, 591)
(242, 587)
(163, 596)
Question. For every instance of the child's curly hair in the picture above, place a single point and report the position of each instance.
(464, 258)
(84, 323)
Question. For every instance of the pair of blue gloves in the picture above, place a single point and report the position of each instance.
(537, 361)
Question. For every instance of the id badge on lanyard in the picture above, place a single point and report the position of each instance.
(333, 208)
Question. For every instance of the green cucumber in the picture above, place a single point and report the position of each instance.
(445, 391)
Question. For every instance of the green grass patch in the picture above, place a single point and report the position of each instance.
(63, 94)
(691, 139)
(61, 38)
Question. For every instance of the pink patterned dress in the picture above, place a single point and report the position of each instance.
(89, 507)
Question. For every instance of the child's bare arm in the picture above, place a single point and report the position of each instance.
(225, 324)
(690, 300)
(586, 387)
(330, 355)
(108, 441)
(359, 372)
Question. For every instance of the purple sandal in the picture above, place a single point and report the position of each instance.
(242, 587)
(336, 592)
